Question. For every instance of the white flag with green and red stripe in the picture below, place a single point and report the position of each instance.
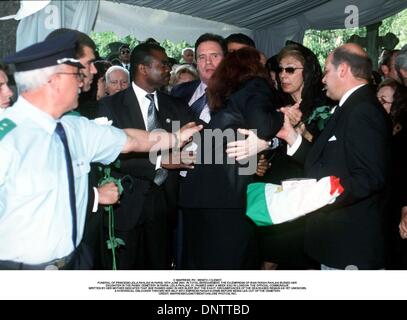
(269, 204)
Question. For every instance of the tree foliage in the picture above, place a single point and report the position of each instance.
(322, 42)
(102, 40)
(319, 41)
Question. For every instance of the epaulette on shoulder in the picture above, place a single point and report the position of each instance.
(6, 125)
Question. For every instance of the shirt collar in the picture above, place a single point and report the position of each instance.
(201, 89)
(31, 112)
(141, 93)
(348, 93)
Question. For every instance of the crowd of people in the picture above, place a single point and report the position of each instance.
(181, 201)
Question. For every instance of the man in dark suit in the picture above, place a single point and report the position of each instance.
(354, 146)
(144, 209)
(123, 57)
(210, 50)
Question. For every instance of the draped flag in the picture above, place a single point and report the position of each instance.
(269, 204)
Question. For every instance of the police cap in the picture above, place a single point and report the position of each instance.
(51, 52)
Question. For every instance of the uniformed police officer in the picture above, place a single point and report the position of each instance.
(45, 159)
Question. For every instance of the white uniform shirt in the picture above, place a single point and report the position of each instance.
(35, 214)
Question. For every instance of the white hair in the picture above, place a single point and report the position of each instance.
(34, 79)
(116, 68)
(185, 49)
(185, 68)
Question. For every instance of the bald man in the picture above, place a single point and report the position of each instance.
(354, 147)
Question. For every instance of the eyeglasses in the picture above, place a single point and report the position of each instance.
(79, 75)
(125, 51)
(289, 70)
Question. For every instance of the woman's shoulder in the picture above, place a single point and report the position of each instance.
(253, 85)
(257, 81)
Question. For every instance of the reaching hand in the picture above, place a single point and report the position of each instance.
(179, 160)
(262, 166)
(294, 113)
(185, 134)
(108, 193)
(287, 132)
(243, 149)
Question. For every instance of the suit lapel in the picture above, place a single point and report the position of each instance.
(165, 117)
(325, 135)
(132, 110)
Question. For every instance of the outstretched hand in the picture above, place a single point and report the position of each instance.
(185, 134)
(243, 149)
(287, 132)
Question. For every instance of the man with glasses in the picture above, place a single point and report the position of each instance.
(46, 158)
(144, 213)
(124, 57)
(107, 194)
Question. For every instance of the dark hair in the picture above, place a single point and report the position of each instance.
(385, 59)
(386, 56)
(211, 37)
(83, 40)
(235, 69)
(312, 76)
(4, 68)
(101, 67)
(151, 40)
(389, 82)
(124, 46)
(272, 64)
(398, 110)
(142, 54)
(240, 38)
(360, 65)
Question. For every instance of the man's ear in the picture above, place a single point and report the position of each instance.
(343, 69)
(142, 69)
(54, 81)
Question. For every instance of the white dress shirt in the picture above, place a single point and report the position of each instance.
(144, 103)
(199, 92)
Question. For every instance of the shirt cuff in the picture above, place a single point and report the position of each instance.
(96, 201)
(293, 149)
(158, 162)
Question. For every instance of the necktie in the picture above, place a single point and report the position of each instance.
(199, 104)
(153, 123)
(61, 133)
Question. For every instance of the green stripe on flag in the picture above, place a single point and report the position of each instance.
(257, 204)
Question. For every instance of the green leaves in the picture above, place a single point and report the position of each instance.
(102, 39)
(321, 116)
(114, 243)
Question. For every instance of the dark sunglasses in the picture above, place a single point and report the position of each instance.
(289, 70)
(125, 51)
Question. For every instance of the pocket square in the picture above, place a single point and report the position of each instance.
(333, 138)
